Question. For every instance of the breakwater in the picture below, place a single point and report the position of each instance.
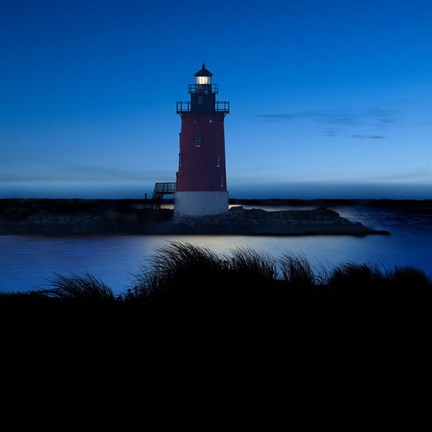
(129, 216)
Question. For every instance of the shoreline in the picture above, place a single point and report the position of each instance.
(133, 216)
(239, 221)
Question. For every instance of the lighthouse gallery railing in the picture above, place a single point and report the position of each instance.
(220, 106)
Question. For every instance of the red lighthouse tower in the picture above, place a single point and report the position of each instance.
(201, 177)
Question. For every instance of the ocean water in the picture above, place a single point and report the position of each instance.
(31, 262)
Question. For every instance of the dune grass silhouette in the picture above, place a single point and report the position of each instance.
(188, 280)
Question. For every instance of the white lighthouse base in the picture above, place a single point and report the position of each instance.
(200, 203)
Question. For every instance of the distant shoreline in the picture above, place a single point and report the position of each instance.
(234, 201)
(378, 202)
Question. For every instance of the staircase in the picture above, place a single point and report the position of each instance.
(160, 190)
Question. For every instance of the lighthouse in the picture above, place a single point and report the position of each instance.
(201, 184)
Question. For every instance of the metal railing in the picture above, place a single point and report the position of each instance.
(164, 188)
(183, 106)
(220, 106)
(203, 88)
(161, 189)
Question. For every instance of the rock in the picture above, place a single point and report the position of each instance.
(60, 217)
(262, 222)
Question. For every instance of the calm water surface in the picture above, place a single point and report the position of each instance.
(30, 262)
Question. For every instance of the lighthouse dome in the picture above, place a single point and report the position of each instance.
(204, 72)
(203, 76)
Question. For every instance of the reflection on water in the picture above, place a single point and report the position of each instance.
(29, 262)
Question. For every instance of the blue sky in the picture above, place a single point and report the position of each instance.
(328, 98)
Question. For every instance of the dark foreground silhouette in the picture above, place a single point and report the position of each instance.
(207, 337)
(184, 280)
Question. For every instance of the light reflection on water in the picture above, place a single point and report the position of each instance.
(29, 262)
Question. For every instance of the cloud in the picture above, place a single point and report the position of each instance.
(358, 136)
(339, 117)
(73, 171)
(330, 133)
(318, 116)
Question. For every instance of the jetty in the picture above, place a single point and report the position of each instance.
(129, 216)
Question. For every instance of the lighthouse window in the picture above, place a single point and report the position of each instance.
(200, 100)
(218, 161)
(197, 140)
(222, 181)
(203, 80)
(180, 160)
